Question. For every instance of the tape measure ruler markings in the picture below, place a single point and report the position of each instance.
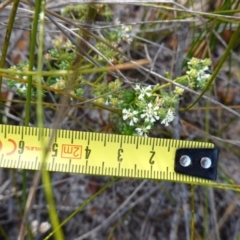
(108, 154)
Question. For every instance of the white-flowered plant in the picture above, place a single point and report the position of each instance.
(143, 106)
(147, 107)
(197, 73)
(21, 87)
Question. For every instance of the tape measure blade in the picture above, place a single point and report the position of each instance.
(93, 153)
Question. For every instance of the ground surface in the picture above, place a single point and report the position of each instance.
(138, 209)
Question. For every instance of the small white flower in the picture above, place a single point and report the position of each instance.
(108, 100)
(128, 38)
(18, 85)
(137, 87)
(143, 91)
(131, 115)
(24, 88)
(201, 76)
(143, 131)
(126, 28)
(169, 117)
(205, 68)
(150, 113)
(41, 16)
(21, 87)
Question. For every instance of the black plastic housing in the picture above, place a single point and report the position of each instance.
(195, 169)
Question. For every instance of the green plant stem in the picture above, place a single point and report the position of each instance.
(99, 79)
(45, 174)
(189, 13)
(6, 43)
(29, 86)
(7, 36)
(39, 106)
(179, 79)
(81, 99)
(58, 72)
(82, 71)
(223, 12)
(33, 40)
(81, 207)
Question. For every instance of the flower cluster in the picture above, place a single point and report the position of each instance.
(109, 53)
(62, 56)
(119, 34)
(144, 106)
(197, 73)
(116, 37)
(81, 12)
(108, 94)
(148, 107)
(140, 106)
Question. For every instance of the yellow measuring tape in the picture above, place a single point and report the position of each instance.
(95, 153)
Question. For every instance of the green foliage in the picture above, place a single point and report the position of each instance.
(62, 57)
(140, 106)
(116, 37)
(143, 106)
(108, 94)
(19, 87)
(81, 12)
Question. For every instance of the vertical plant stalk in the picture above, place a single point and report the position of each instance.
(27, 203)
(33, 38)
(6, 43)
(45, 174)
(40, 10)
(7, 36)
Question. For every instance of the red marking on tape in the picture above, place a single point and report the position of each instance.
(71, 151)
(14, 147)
